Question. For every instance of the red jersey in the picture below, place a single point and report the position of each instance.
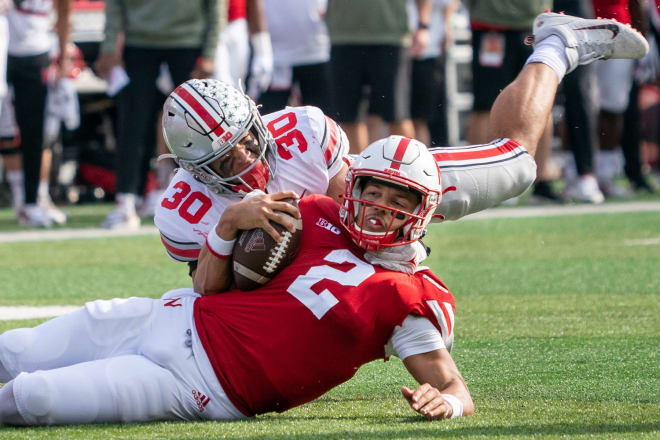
(315, 323)
(616, 9)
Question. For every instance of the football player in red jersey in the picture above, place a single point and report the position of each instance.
(354, 294)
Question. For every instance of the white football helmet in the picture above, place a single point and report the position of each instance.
(203, 120)
(400, 162)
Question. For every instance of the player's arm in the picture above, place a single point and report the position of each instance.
(421, 37)
(63, 34)
(334, 146)
(337, 184)
(442, 391)
(213, 274)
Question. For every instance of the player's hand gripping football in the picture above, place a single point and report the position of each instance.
(427, 401)
(255, 212)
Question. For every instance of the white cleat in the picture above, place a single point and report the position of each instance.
(56, 215)
(34, 216)
(584, 190)
(590, 40)
(122, 218)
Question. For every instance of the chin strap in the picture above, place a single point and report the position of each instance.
(403, 258)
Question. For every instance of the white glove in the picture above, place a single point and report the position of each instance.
(261, 69)
(61, 107)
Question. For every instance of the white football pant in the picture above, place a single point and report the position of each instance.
(120, 360)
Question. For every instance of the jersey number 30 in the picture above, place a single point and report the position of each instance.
(195, 205)
(320, 304)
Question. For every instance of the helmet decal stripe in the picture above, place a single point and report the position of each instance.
(332, 140)
(472, 154)
(199, 109)
(399, 153)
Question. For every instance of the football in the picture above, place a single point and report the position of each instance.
(257, 257)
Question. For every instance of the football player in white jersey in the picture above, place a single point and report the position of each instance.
(209, 125)
(189, 358)
(4, 42)
(227, 150)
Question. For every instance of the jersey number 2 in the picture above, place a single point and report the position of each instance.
(320, 304)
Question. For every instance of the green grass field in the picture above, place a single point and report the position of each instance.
(557, 331)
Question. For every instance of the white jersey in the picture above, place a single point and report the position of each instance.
(310, 152)
(4, 40)
(476, 177)
(30, 23)
(437, 26)
(298, 32)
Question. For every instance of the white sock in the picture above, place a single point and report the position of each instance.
(43, 191)
(16, 185)
(609, 165)
(551, 51)
(126, 201)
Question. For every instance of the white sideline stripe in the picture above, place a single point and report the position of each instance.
(561, 210)
(21, 312)
(499, 212)
(68, 234)
(643, 242)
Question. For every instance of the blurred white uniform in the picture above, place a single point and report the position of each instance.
(233, 52)
(4, 42)
(436, 26)
(615, 79)
(29, 28)
(299, 36)
(8, 127)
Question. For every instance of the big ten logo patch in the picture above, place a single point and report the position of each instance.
(327, 225)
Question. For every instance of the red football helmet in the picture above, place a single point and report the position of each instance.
(400, 162)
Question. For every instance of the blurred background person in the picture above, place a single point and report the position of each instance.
(615, 82)
(372, 45)
(28, 59)
(499, 31)
(244, 47)
(578, 91)
(301, 55)
(182, 35)
(4, 42)
(428, 97)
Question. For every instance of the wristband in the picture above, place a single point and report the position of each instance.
(218, 247)
(455, 403)
(421, 25)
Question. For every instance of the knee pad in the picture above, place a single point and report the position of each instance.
(25, 349)
(57, 396)
(34, 397)
(112, 320)
(16, 341)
